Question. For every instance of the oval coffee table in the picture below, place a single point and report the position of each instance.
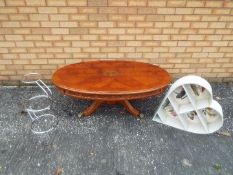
(111, 82)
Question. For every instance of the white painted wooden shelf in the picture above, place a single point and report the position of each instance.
(189, 106)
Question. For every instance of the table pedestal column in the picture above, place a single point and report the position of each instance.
(96, 103)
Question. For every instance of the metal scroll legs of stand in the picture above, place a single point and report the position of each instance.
(39, 117)
(34, 78)
(42, 123)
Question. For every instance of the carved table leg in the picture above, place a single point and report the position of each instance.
(89, 110)
(96, 103)
(130, 108)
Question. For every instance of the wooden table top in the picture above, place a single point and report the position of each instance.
(111, 78)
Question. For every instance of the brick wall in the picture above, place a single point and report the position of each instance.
(182, 36)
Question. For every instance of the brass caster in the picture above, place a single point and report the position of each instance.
(80, 115)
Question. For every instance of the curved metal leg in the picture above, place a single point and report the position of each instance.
(54, 124)
(36, 98)
(33, 113)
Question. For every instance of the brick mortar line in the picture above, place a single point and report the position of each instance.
(118, 21)
(106, 34)
(126, 14)
(114, 40)
(111, 6)
(137, 15)
(96, 27)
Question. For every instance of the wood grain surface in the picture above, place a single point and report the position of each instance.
(111, 77)
(116, 81)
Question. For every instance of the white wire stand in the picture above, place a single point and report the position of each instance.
(48, 121)
(34, 78)
(40, 117)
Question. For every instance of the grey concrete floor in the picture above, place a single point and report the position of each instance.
(110, 142)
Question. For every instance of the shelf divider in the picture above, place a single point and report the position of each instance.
(162, 115)
(173, 104)
(193, 102)
(182, 121)
(203, 121)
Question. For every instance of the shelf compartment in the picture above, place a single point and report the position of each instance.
(168, 110)
(157, 118)
(175, 122)
(168, 115)
(212, 117)
(198, 95)
(180, 100)
(193, 122)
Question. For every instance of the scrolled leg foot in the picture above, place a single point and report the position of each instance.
(130, 108)
(92, 108)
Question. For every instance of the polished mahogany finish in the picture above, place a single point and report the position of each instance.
(111, 81)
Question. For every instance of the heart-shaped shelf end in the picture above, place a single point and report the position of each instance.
(189, 106)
